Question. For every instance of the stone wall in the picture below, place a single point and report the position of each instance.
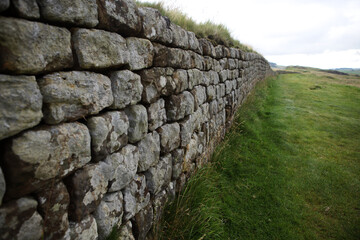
(106, 109)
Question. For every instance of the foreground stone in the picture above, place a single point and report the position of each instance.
(136, 197)
(125, 232)
(179, 106)
(108, 133)
(86, 188)
(4, 4)
(126, 87)
(76, 12)
(138, 122)
(84, 230)
(155, 26)
(109, 214)
(20, 220)
(119, 16)
(141, 53)
(87, 43)
(143, 222)
(28, 9)
(53, 207)
(20, 104)
(149, 151)
(56, 151)
(73, 95)
(156, 114)
(123, 166)
(159, 176)
(32, 48)
(170, 137)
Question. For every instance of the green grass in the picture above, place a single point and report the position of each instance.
(289, 168)
(216, 33)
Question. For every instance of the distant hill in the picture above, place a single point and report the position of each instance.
(273, 65)
(353, 71)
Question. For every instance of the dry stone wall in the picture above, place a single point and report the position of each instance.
(106, 109)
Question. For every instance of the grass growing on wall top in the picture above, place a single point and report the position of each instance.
(288, 169)
(216, 33)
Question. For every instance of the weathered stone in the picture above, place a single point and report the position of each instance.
(73, 95)
(177, 161)
(194, 43)
(180, 36)
(180, 78)
(2, 186)
(156, 114)
(155, 27)
(27, 8)
(186, 130)
(195, 77)
(123, 166)
(138, 122)
(136, 197)
(205, 112)
(108, 133)
(141, 53)
(126, 87)
(32, 48)
(191, 153)
(96, 49)
(56, 151)
(159, 203)
(84, 230)
(199, 93)
(211, 92)
(213, 108)
(171, 57)
(219, 52)
(149, 151)
(220, 91)
(157, 82)
(167, 57)
(19, 220)
(179, 106)
(4, 4)
(159, 176)
(109, 214)
(143, 222)
(53, 207)
(125, 232)
(86, 188)
(20, 104)
(119, 16)
(76, 12)
(180, 183)
(223, 75)
(197, 61)
(228, 87)
(207, 47)
(169, 137)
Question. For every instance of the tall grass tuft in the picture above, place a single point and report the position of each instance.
(218, 34)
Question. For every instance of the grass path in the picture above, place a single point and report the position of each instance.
(288, 169)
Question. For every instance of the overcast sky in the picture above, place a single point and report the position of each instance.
(316, 33)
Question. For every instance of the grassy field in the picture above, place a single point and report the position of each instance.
(288, 169)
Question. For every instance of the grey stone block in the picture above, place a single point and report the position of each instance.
(76, 12)
(96, 49)
(20, 104)
(33, 48)
(73, 95)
